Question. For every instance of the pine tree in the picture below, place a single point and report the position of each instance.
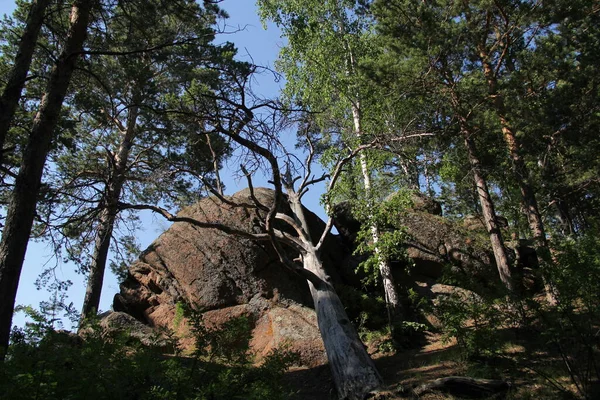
(21, 208)
(428, 38)
(127, 147)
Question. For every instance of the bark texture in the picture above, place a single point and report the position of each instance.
(487, 208)
(18, 73)
(22, 203)
(354, 373)
(107, 219)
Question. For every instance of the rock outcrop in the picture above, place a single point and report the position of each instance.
(438, 245)
(225, 276)
(434, 242)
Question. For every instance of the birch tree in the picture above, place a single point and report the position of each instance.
(326, 42)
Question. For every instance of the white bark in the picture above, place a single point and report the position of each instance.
(392, 299)
(354, 373)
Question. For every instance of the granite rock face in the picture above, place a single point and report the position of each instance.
(225, 276)
(221, 275)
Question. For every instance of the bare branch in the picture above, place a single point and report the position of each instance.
(258, 204)
(334, 177)
(291, 222)
(201, 224)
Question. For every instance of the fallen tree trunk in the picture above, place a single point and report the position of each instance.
(464, 387)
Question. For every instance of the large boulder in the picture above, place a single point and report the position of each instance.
(223, 274)
(434, 242)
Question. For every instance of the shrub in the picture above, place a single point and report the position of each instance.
(46, 364)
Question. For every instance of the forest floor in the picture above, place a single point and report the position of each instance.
(436, 359)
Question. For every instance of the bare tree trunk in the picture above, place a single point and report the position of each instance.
(215, 160)
(520, 170)
(23, 200)
(91, 302)
(354, 373)
(18, 73)
(392, 299)
(487, 208)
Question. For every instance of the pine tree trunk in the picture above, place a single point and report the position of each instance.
(18, 73)
(392, 299)
(91, 302)
(354, 373)
(487, 208)
(520, 171)
(23, 200)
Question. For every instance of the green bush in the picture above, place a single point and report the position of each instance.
(475, 323)
(46, 364)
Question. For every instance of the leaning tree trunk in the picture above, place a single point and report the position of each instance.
(18, 73)
(91, 302)
(487, 208)
(23, 200)
(354, 373)
(520, 171)
(392, 299)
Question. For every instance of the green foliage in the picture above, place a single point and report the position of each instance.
(565, 333)
(571, 326)
(228, 343)
(392, 236)
(46, 364)
(366, 310)
(473, 322)
(180, 310)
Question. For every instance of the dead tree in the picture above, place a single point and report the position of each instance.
(354, 373)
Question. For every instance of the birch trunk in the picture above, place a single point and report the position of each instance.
(18, 73)
(392, 299)
(354, 373)
(108, 216)
(23, 200)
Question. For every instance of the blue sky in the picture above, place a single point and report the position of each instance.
(254, 43)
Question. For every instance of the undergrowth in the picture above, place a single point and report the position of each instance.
(46, 364)
(558, 344)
